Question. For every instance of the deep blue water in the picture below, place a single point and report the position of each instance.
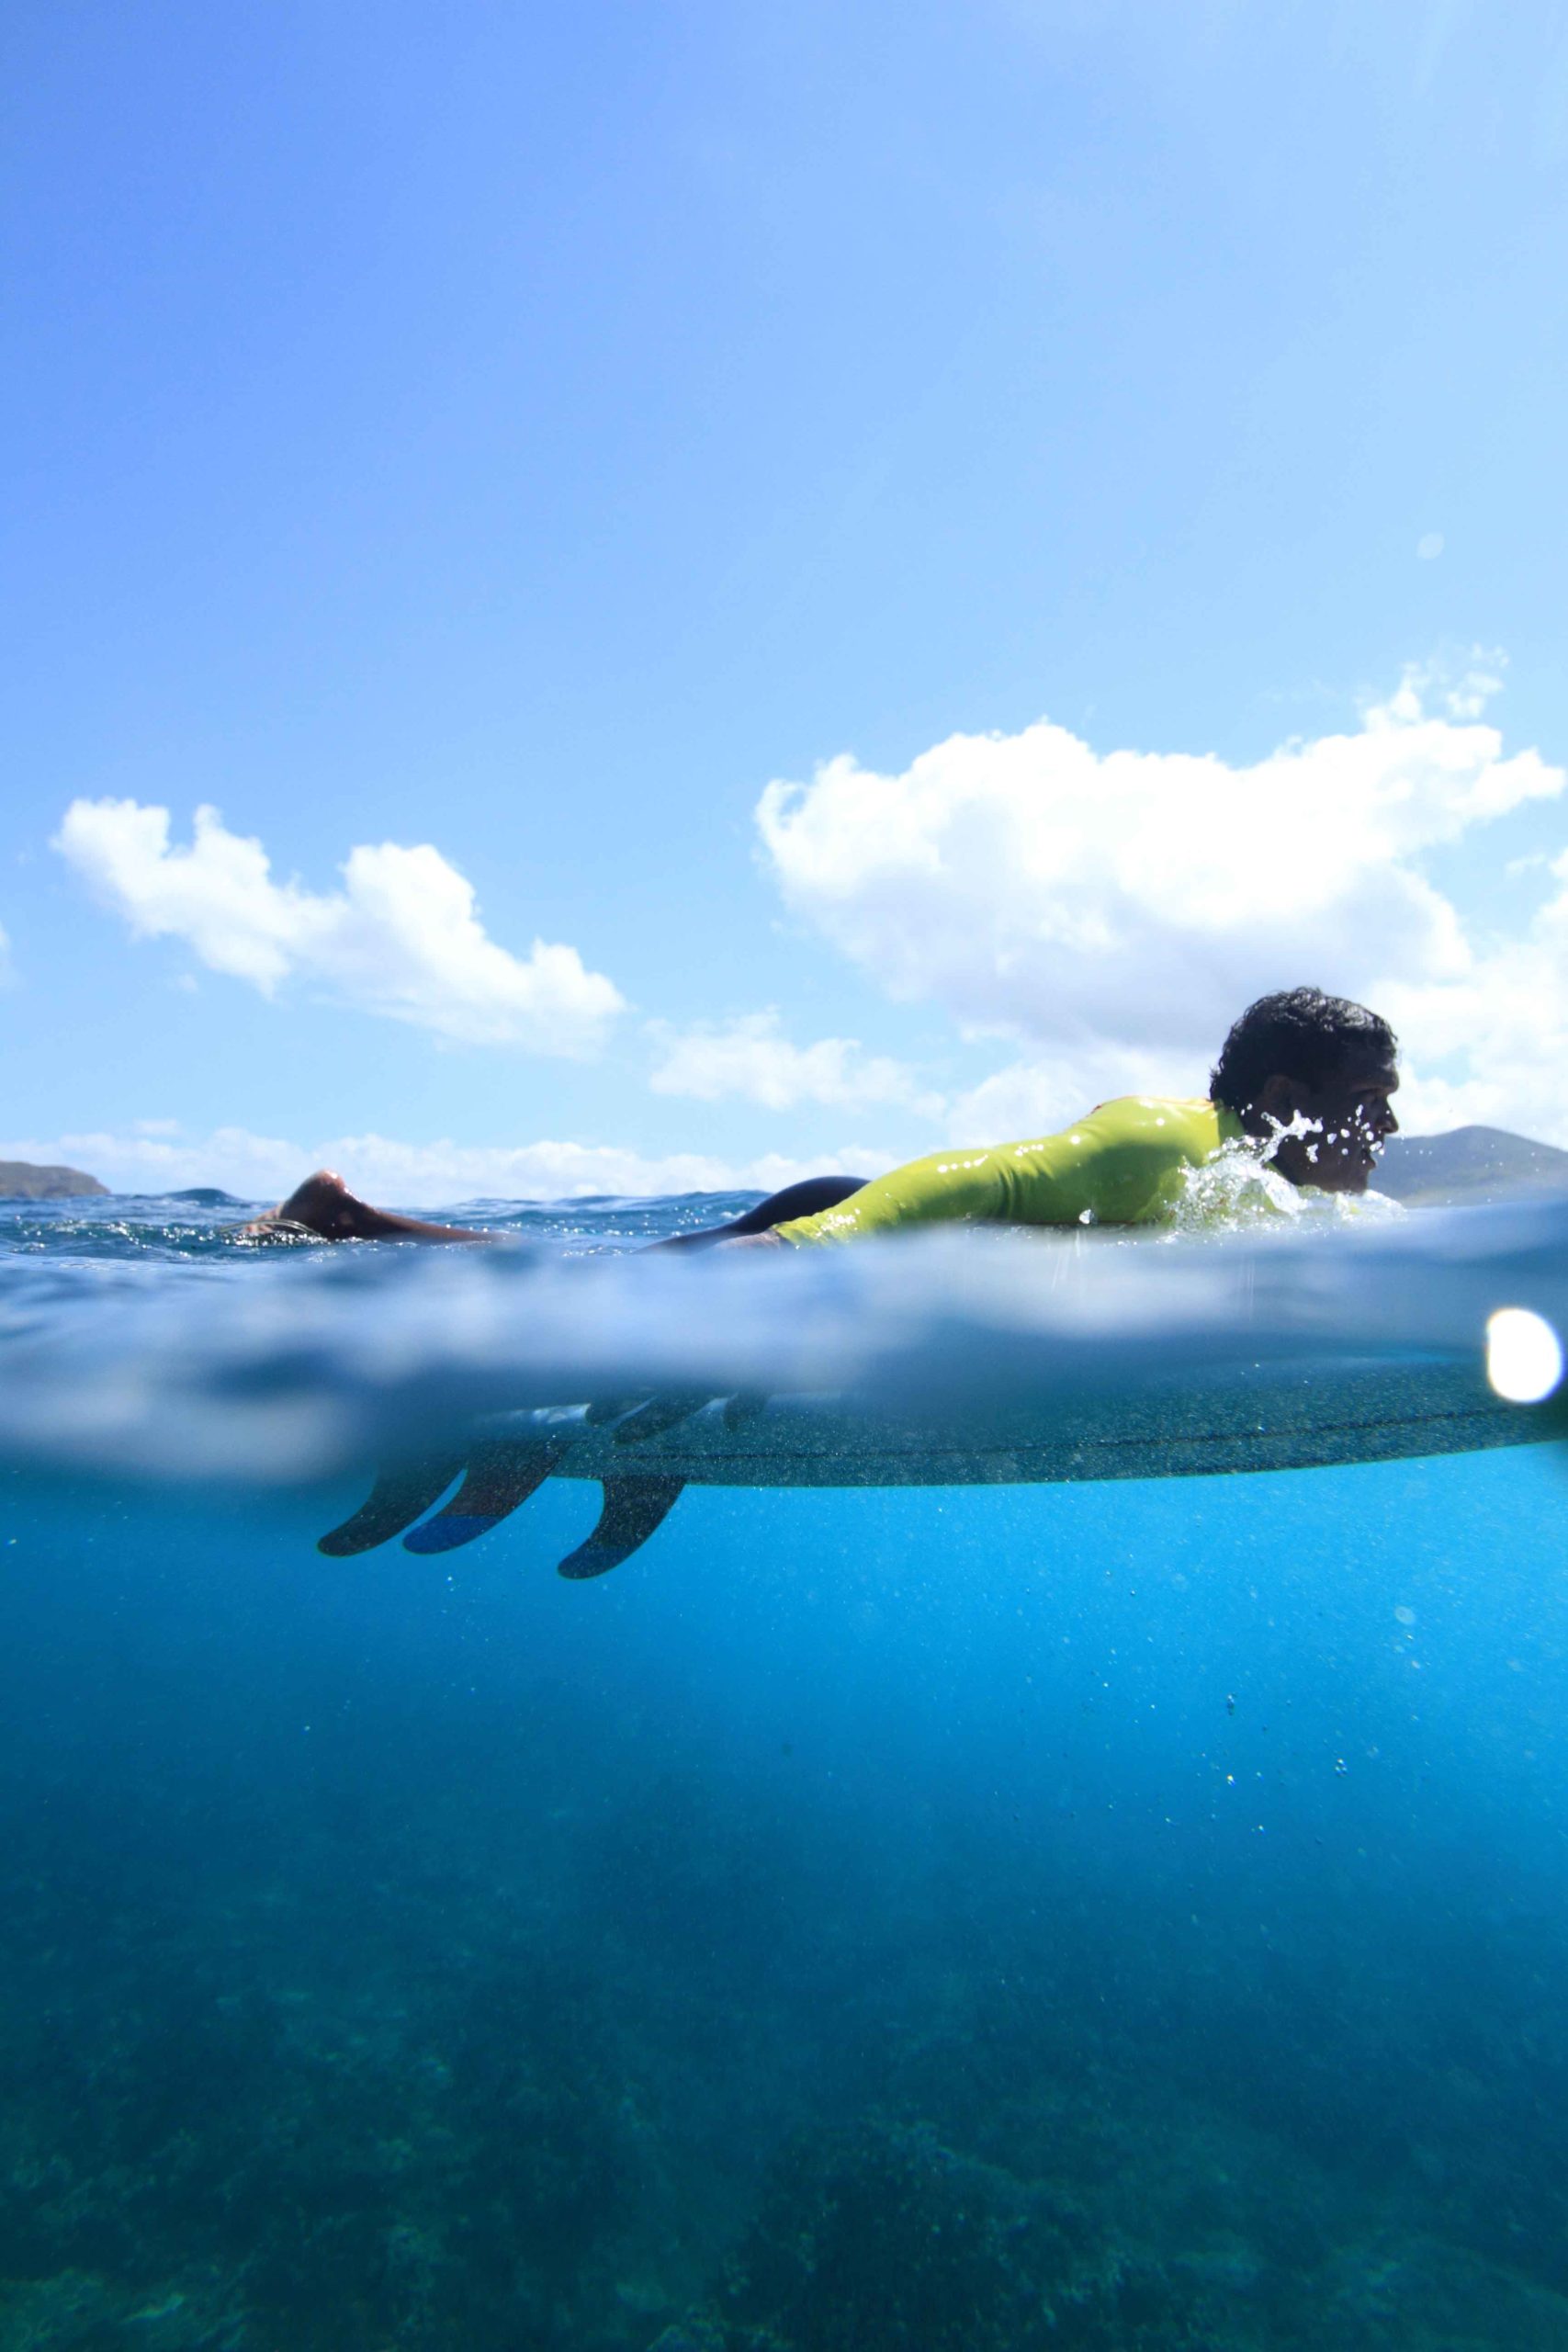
(1119, 1916)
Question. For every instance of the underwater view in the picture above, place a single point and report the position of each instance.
(1062, 1903)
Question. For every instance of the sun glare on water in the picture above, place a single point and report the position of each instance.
(1524, 1355)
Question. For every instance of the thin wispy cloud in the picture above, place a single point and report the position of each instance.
(402, 937)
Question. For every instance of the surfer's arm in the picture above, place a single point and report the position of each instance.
(323, 1206)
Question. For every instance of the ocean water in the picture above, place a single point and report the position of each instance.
(1119, 1914)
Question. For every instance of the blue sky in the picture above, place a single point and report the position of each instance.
(502, 441)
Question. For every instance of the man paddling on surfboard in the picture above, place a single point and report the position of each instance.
(1308, 1078)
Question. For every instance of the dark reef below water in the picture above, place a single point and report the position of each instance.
(364, 2067)
(880, 2235)
(198, 2155)
(869, 2234)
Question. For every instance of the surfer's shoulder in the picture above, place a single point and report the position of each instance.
(1158, 1122)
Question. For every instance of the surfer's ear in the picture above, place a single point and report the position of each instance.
(1277, 1098)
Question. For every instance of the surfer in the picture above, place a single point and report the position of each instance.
(1307, 1077)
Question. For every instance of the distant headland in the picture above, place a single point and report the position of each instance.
(1468, 1167)
(21, 1180)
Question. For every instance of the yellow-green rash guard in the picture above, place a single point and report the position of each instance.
(1122, 1165)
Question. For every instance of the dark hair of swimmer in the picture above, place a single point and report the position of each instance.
(1300, 1034)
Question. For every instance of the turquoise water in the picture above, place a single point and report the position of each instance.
(1111, 1915)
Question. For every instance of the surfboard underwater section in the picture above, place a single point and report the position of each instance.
(1295, 1420)
(1279, 1417)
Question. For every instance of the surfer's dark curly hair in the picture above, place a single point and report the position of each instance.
(1300, 1034)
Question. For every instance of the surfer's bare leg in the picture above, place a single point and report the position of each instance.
(806, 1198)
(323, 1206)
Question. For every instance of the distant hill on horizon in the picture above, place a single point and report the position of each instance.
(1468, 1167)
(21, 1179)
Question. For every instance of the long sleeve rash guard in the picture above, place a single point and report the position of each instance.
(1122, 1165)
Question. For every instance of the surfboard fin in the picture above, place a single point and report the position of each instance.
(398, 1497)
(634, 1507)
(503, 1472)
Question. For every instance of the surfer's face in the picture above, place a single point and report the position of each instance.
(1339, 1128)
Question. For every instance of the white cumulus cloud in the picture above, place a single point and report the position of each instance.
(402, 937)
(751, 1059)
(1491, 1041)
(1035, 1097)
(1115, 910)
